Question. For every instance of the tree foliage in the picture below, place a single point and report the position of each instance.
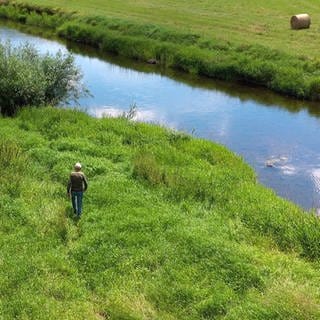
(28, 78)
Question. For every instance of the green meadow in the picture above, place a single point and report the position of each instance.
(241, 41)
(241, 21)
(173, 227)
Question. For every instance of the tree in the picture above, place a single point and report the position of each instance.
(28, 78)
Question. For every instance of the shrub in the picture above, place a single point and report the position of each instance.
(28, 78)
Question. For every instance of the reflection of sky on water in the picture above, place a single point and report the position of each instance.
(316, 178)
(138, 115)
(257, 132)
(42, 45)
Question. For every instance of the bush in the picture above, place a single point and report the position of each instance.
(28, 78)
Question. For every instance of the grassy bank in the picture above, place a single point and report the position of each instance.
(173, 227)
(210, 39)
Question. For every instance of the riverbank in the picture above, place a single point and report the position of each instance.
(196, 52)
(173, 227)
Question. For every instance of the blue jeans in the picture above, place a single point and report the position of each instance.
(76, 197)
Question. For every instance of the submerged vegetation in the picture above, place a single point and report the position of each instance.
(173, 227)
(281, 71)
(30, 78)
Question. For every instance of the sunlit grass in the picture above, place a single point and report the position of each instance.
(241, 21)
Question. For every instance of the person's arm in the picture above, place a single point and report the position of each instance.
(69, 187)
(85, 182)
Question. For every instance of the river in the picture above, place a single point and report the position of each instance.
(277, 136)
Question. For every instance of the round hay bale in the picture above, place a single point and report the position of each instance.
(300, 21)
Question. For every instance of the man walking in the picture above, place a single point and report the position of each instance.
(76, 186)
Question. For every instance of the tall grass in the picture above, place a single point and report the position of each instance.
(173, 227)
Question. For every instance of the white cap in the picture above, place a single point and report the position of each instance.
(77, 165)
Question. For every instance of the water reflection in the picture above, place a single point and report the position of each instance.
(244, 92)
(253, 122)
(143, 115)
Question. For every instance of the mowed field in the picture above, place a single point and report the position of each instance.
(237, 21)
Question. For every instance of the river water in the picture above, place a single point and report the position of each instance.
(277, 136)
